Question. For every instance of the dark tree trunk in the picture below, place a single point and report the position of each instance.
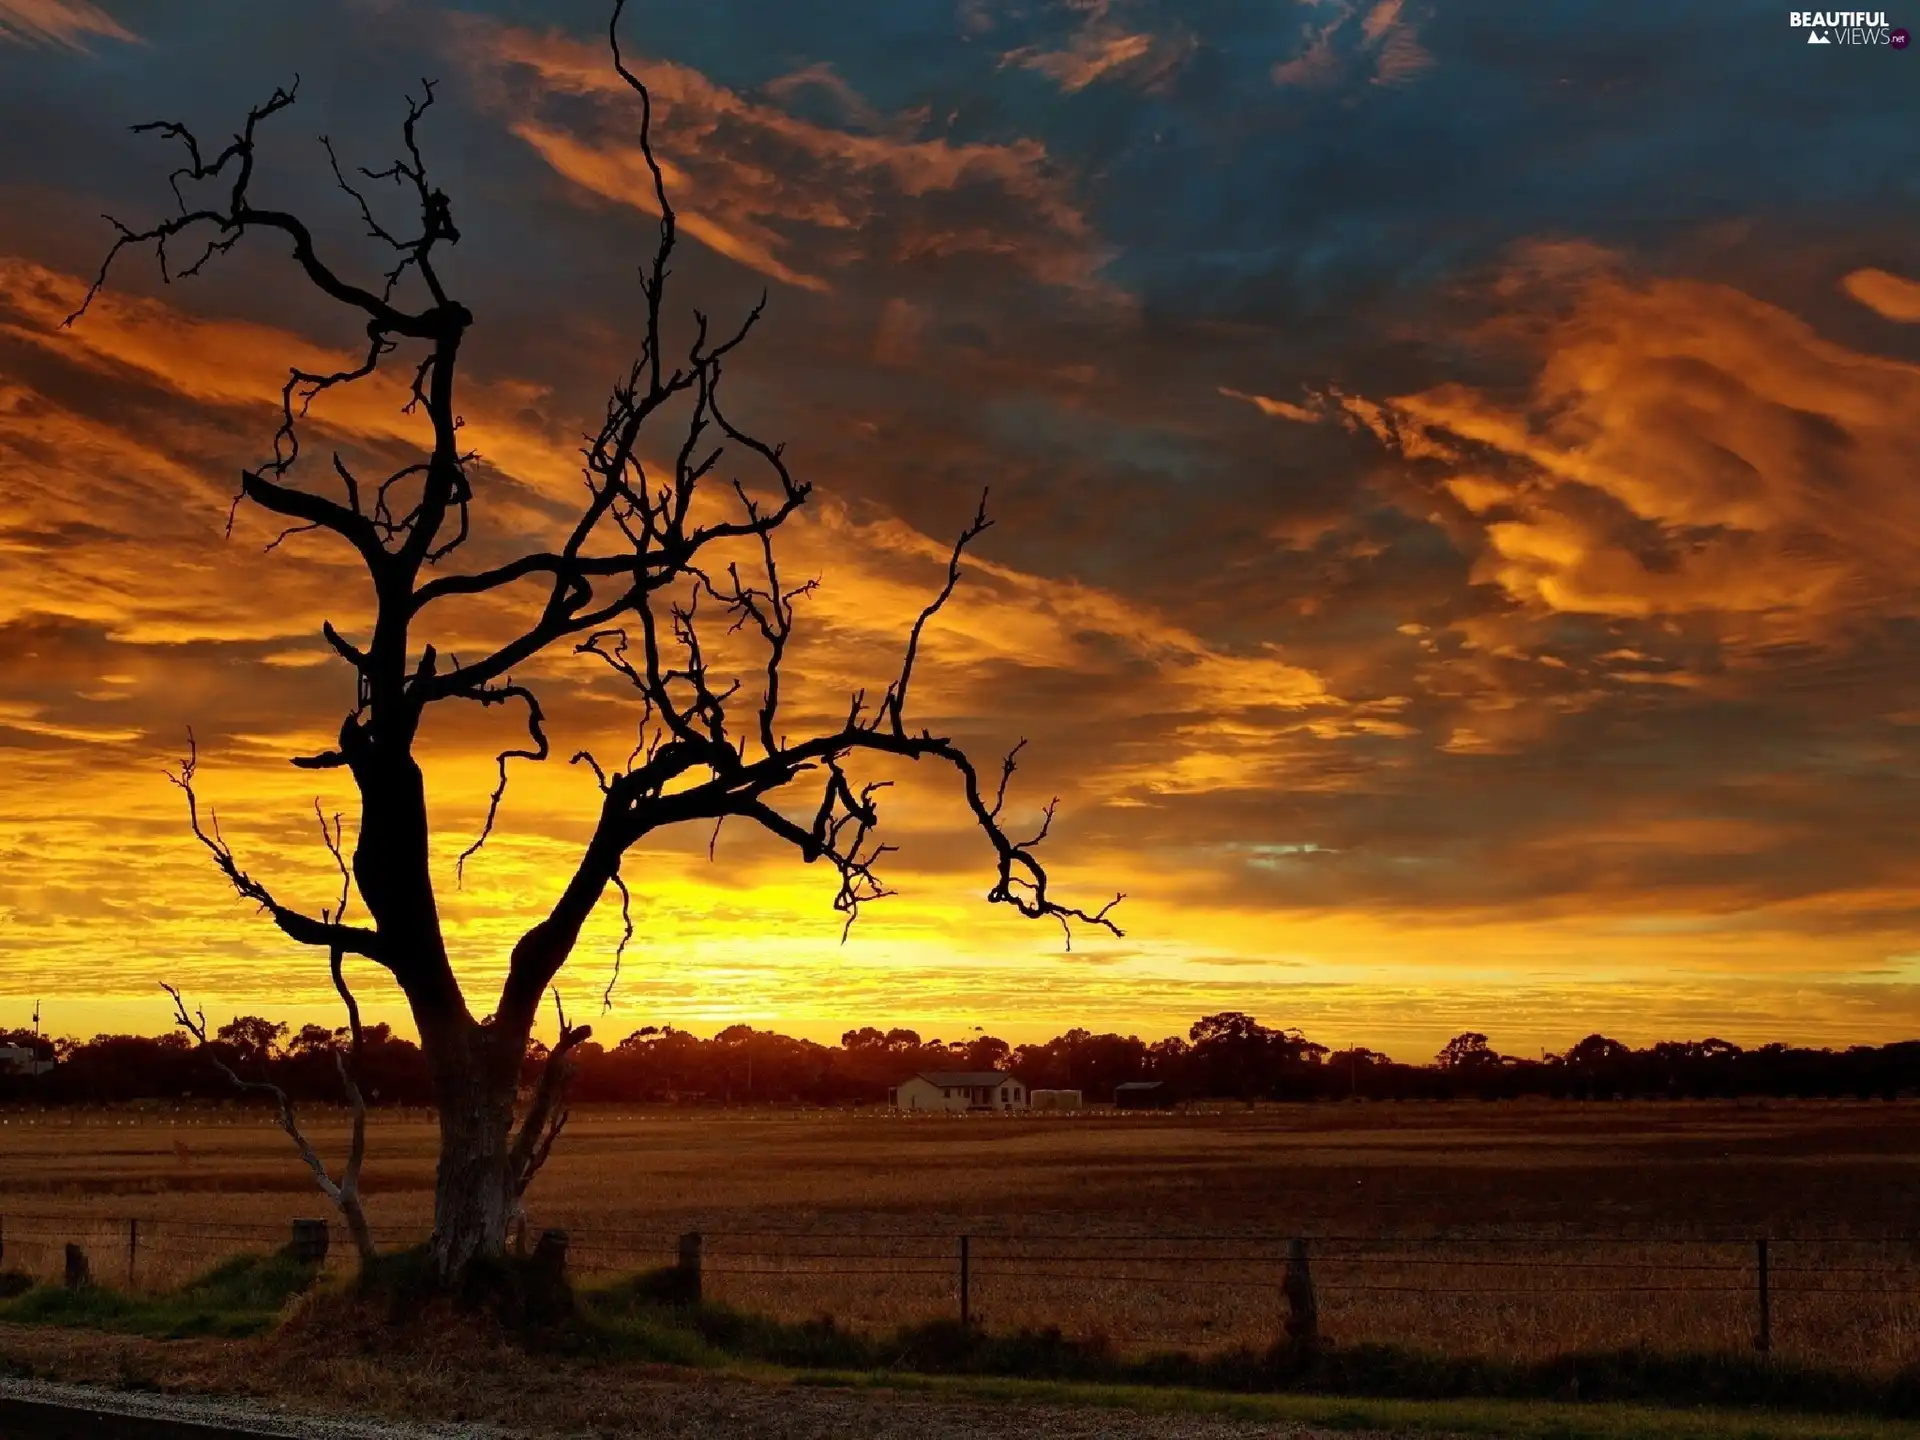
(474, 1200)
(475, 1067)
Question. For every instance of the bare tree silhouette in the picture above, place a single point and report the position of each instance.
(647, 547)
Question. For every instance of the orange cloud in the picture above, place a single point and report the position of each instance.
(1395, 41)
(1890, 295)
(1684, 449)
(1386, 47)
(65, 23)
(140, 620)
(1279, 409)
(244, 363)
(1101, 48)
(784, 184)
(878, 573)
(157, 474)
(1086, 60)
(620, 174)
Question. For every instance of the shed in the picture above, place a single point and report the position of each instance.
(1143, 1095)
(959, 1090)
(1057, 1100)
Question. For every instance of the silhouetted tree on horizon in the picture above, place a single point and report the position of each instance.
(665, 1064)
(1469, 1051)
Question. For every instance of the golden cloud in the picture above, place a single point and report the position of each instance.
(159, 476)
(879, 573)
(1685, 449)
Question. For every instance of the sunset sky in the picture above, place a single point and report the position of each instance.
(1457, 555)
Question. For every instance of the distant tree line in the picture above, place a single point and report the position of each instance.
(1229, 1056)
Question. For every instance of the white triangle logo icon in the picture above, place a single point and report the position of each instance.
(1816, 38)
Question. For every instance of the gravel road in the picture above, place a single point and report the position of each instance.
(703, 1409)
(251, 1417)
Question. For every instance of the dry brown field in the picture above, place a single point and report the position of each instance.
(1510, 1229)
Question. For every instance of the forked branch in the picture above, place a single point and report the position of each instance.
(345, 1192)
(324, 933)
(547, 1113)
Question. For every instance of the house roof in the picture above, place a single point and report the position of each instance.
(961, 1078)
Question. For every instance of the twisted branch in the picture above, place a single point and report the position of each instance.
(547, 1114)
(324, 933)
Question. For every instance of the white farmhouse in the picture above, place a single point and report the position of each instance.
(959, 1090)
(22, 1060)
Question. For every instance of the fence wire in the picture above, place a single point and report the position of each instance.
(1711, 1291)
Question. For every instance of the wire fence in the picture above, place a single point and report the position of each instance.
(1849, 1302)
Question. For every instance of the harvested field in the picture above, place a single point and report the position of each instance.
(1513, 1230)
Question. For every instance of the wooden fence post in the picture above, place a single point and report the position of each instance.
(79, 1273)
(1763, 1341)
(1303, 1309)
(549, 1259)
(966, 1286)
(690, 1267)
(133, 1248)
(547, 1296)
(309, 1243)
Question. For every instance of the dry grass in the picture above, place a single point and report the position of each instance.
(1587, 1226)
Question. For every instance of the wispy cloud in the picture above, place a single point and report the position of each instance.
(1101, 47)
(1384, 46)
(789, 197)
(1891, 295)
(65, 23)
(1279, 409)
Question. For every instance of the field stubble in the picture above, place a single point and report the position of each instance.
(1515, 1231)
